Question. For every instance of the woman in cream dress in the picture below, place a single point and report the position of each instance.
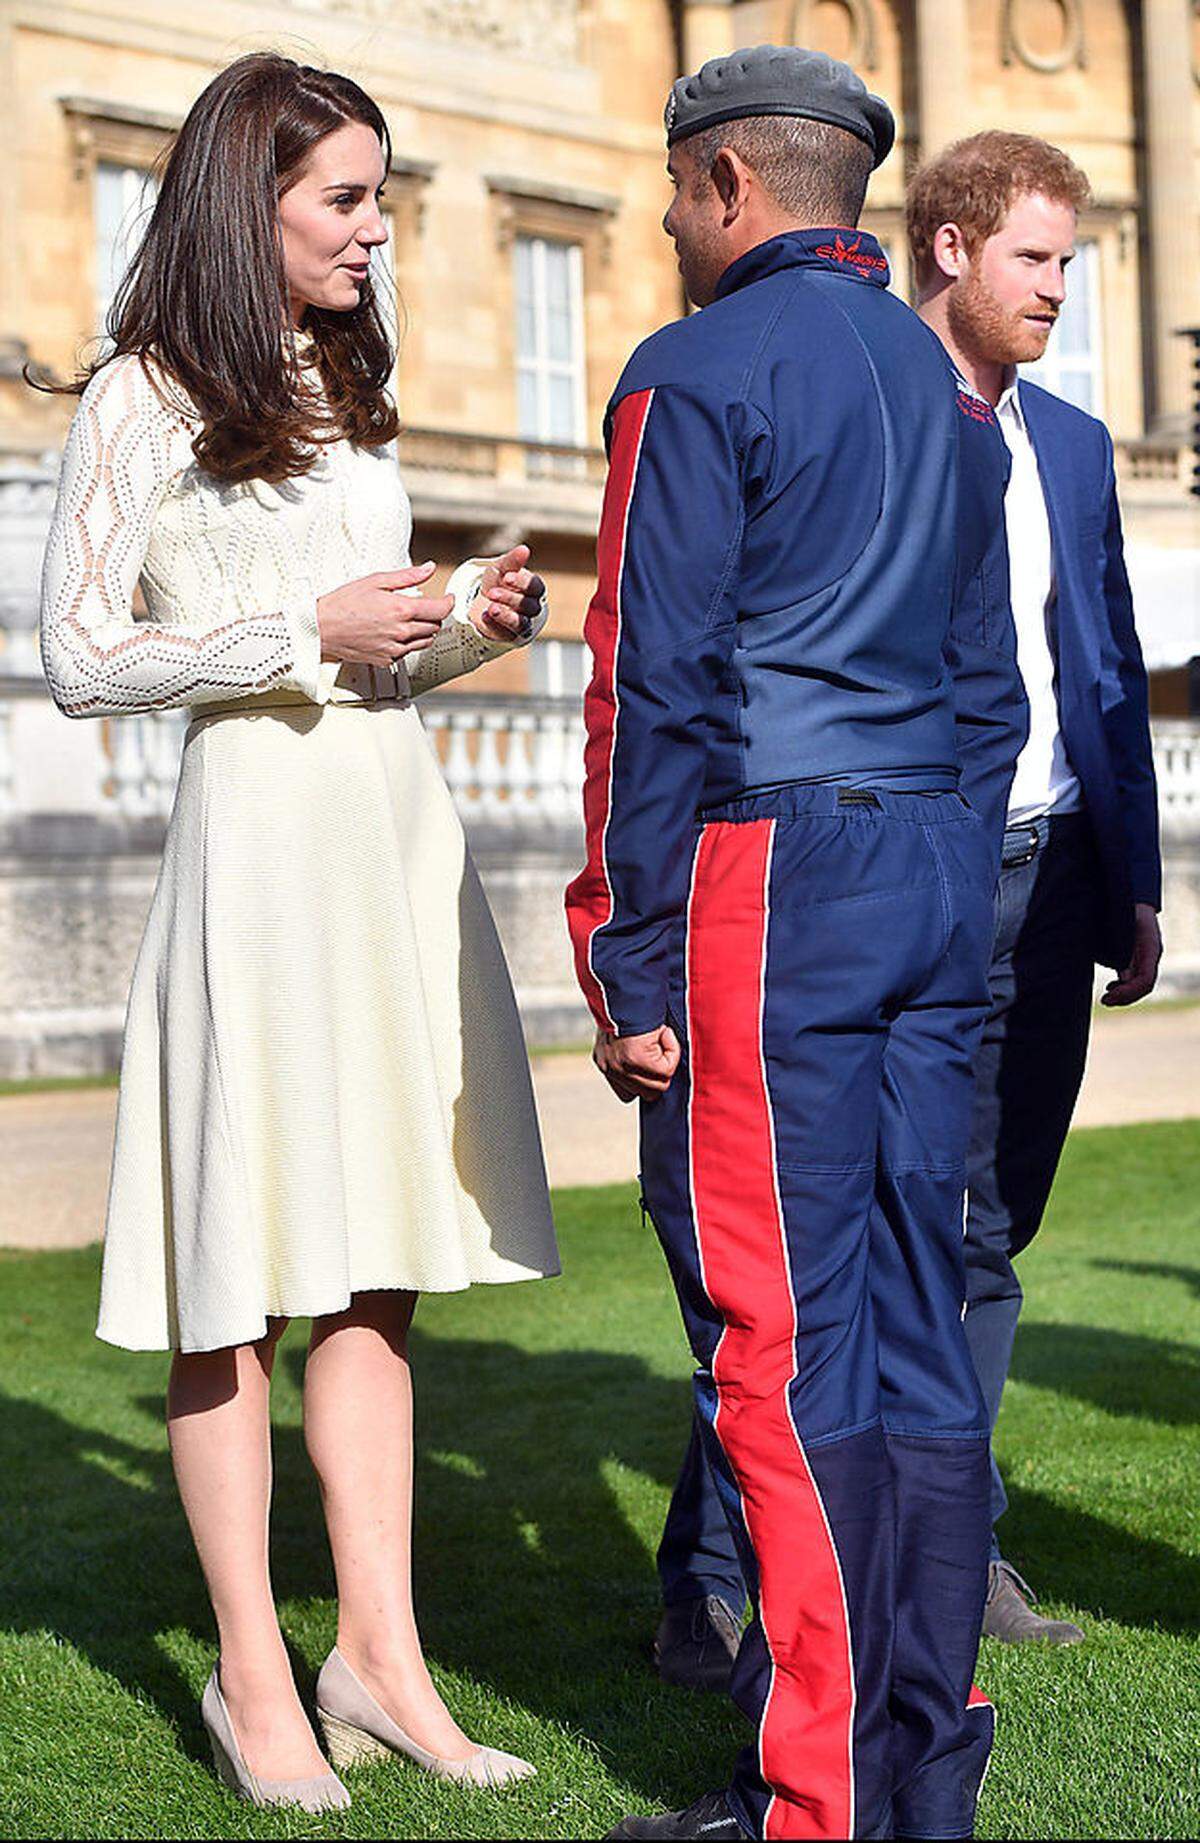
(325, 1104)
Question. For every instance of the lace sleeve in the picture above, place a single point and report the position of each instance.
(460, 647)
(124, 447)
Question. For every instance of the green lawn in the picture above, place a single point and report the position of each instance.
(551, 1420)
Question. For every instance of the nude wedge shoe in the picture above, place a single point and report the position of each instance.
(324, 1794)
(358, 1731)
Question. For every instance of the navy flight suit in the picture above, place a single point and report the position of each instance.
(781, 866)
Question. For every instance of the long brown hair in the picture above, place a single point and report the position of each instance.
(206, 298)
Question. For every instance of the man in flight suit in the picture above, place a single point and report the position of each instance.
(783, 929)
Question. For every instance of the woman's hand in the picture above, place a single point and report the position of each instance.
(510, 599)
(371, 622)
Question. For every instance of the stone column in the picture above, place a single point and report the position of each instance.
(943, 73)
(707, 31)
(1171, 213)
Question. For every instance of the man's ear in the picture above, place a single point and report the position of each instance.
(950, 252)
(732, 179)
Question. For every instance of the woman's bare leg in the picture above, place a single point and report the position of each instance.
(219, 1426)
(359, 1427)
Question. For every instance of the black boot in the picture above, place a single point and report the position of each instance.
(709, 1818)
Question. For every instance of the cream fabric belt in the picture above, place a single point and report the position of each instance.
(354, 684)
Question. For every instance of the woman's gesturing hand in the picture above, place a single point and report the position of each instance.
(510, 598)
(371, 623)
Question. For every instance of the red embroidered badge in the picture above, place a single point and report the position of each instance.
(853, 254)
(977, 408)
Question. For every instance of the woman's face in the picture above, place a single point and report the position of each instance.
(330, 221)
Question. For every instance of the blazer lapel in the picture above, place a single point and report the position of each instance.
(1071, 637)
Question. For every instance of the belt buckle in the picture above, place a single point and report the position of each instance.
(1028, 851)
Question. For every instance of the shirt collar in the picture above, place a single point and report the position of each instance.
(1010, 400)
(846, 252)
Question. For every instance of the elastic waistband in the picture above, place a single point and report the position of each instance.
(924, 806)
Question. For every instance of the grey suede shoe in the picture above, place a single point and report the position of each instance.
(696, 1643)
(358, 1731)
(324, 1794)
(1009, 1616)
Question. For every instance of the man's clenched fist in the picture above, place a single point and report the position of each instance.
(638, 1068)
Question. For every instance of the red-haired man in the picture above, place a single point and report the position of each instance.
(992, 227)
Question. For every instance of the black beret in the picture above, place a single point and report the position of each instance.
(779, 80)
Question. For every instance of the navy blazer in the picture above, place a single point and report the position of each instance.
(1102, 692)
(991, 711)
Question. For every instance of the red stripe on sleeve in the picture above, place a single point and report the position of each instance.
(590, 897)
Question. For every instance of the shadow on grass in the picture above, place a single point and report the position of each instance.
(1103, 1570)
(1153, 1270)
(530, 1579)
(1122, 1372)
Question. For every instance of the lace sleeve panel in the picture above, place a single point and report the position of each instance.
(460, 647)
(124, 448)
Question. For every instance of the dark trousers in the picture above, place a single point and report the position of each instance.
(805, 1173)
(1028, 1071)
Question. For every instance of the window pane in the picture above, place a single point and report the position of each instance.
(1074, 321)
(1076, 387)
(1072, 366)
(526, 312)
(558, 301)
(549, 330)
(562, 407)
(529, 422)
(123, 200)
(559, 668)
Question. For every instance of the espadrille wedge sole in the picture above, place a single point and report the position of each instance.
(359, 1732)
(326, 1793)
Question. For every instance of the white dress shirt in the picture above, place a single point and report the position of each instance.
(1044, 781)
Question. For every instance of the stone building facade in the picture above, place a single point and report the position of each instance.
(524, 209)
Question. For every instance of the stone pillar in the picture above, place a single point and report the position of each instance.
(707, 31)
(943, 73)
(1173, 299)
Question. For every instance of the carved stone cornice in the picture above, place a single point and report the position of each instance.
(545, 29)
(538, 207)
(1017, 47)
(121, 132)
(864, 50)
(409, 183)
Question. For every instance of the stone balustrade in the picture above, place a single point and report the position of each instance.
(7, 782)
(508, 760)
(499, 457)
(511, 761)
(144, 763)
(1154, 467)
(1177, 767)
(83, 807)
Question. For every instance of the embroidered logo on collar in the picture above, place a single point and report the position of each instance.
(976, 407)
(852, 255)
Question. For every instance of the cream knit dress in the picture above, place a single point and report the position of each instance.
(324, 1086)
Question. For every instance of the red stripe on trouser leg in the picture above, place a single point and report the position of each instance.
(805, 1731)
(977, 1699)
